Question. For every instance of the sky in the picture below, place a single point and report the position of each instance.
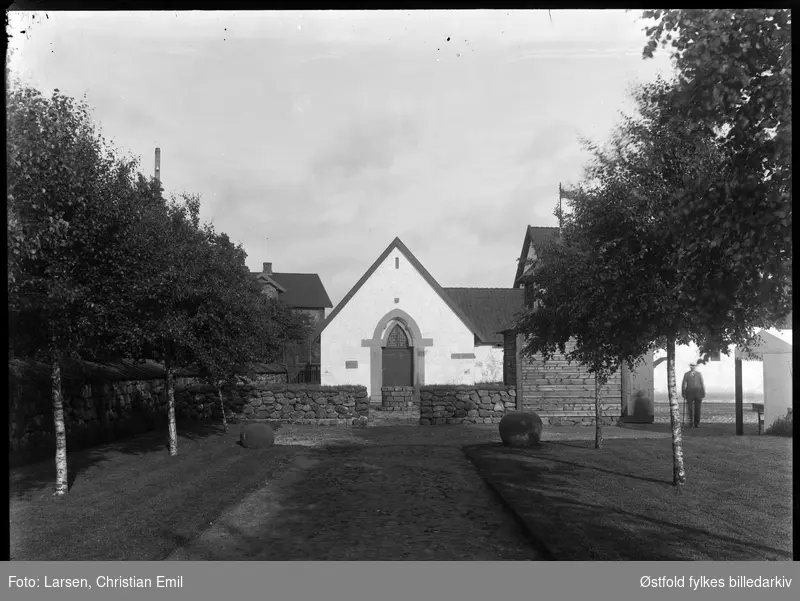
(316, 138)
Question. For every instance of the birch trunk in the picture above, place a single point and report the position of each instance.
(598, 416)
(173, 428)
(62, 475)
(222, 408)
(678, 473)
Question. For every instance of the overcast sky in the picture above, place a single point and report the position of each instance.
(315, 138)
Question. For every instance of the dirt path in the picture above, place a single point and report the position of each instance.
(376, 494)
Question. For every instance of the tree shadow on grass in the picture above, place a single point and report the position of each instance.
(645, 538)
(40, 475)
(450, 434)
(575, 528)
(601, 469)
(704, 431)
(544, 449)
(143, 507)
(368, 506)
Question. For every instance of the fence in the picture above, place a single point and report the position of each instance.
(310, 373)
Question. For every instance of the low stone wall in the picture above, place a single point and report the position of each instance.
(465, 404)
(93, 414)
(99, 413)
(285, 403)
(196, 399)
(397, 398)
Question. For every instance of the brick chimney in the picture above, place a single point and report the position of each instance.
(267, 269)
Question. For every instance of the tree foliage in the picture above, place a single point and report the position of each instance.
(734, 73)
(565, 290)
(66, 197)
(102, 267)
(237, 324)
(654, 250)
(617, 280)
(59, 174)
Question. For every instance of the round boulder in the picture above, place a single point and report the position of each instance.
(257, 436)
(361, 421)
(521, 429)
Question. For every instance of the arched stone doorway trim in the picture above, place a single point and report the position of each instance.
(379, 340)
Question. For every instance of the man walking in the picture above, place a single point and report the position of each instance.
(693, 391)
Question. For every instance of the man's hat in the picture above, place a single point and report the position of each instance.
(693, 364)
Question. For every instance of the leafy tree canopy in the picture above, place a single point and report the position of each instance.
(734, 71)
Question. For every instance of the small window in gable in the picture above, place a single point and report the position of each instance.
(715, 356)
(397, 262)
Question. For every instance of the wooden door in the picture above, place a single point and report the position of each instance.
(398, 368)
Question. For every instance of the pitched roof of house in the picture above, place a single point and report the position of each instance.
(398, 244)
(299, 290)
(490, 309)
(772, 341)
(269, 280)
(537, 237)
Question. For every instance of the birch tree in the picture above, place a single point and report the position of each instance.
(169, 296)
(629, 281)
(229, 331)
(68, 195)
(734, 75)
(556, 292)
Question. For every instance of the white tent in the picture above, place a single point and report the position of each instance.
(775, 351)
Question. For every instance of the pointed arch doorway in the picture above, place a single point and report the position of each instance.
(411, 356)
(398, 359)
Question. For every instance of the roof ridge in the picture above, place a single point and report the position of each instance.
(426, 275)
(287, 273)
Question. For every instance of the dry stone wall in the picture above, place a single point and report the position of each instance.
(285, 403)
(93, 414)
(397, 398)
(99, 413)
(465, 404)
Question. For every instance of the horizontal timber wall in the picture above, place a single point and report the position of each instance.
(563, 393)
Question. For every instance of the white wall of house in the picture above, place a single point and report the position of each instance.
(334, 355)
(488, 364)
(777, 385)
(717, 375)
(775, 350)
(341, 339)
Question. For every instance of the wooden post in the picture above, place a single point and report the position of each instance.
(625, 387)
(738, 396)
(560, 220)
(518, 367)
(158, 165)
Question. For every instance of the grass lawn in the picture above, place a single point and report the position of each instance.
(618, 503)
(131, 500)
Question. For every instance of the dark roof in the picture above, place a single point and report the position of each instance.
(490, 309)
(269, 280)
(303, 290)
(536, 236)
(398, 244)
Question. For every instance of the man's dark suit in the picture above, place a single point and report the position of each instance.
(693, 390)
